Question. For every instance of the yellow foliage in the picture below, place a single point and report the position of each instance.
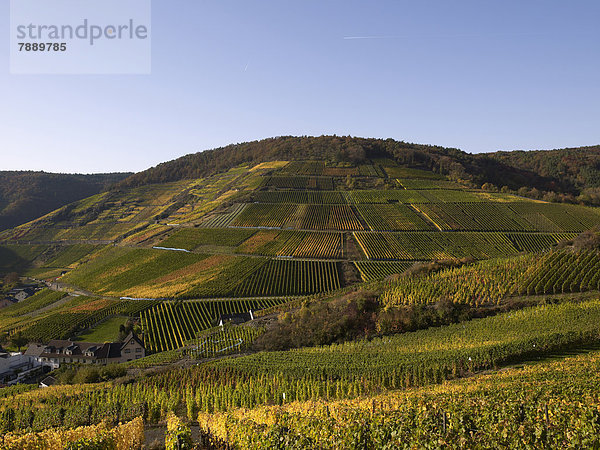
(126, 436)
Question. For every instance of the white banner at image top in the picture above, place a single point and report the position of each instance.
(80, 36)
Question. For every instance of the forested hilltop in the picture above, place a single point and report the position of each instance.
(25, 196)
(578, 169)
(569, 175)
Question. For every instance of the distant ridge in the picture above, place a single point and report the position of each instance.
(25, 196)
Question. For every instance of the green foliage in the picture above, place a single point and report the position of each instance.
(18, 258)
(109, 330)
(191, 238)
(425, 356)
(18, 340)
(562, 272)
(65, 324)
(375, 270)
(297, 244)
(25, 196)
(299, 182)
(103, 441)
(299, 197)
(393, 218)
(550, 405)
(79, 374)
(37, 301)
(484, 283)
(225, 340)
(171, 324)
(319, 323)
(429, 246)
(339, 371)
(283, 277)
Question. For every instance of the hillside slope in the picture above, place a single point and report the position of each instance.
(25, 196)
(577, 170)
(565, 174)
(260, 235)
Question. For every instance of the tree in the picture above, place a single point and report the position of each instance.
(18, 340)
(489, 187)
(349, 182)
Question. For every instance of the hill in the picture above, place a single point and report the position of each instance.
(577, 170)
(25, 196)
(363, 277)
(263, 234)
(570, 175)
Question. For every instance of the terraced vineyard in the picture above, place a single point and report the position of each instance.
(423, 246)
(305, 216)
(169, 325)
(283, 277)
(192, 238)
(393, 218)
(362, 275)
(407, 360)
(308, 197)
(288, 228)
(299, 182)
(376, 270)
(66, 323)
(563, 272)
(299, 244)
(484, 283)
(226, 340)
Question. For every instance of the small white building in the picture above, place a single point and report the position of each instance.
(14, 367)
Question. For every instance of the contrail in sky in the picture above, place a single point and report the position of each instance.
(370, 37)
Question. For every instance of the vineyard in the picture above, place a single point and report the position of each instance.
(393, 218)
(348, 252)
(337, 372)
(224, 219)
(169, 325)
(423, 246)
(312, 217)
(36, 302)
(484, 283)
(376, 270)
(426, 356)
(298, 244)
(489, 282)
(192, 238)
(563, 272)
(549, 405)
(389, 196)
(296, 210)
(299, 182)
(68, 322)
(299, 197)
(284, 277)
(226, 340)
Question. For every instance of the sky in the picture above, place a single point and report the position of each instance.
(477, 75)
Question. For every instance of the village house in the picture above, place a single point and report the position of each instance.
(20, 294)
(59, 352)
(14, 367)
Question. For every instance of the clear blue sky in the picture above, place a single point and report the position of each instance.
(478, 75)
